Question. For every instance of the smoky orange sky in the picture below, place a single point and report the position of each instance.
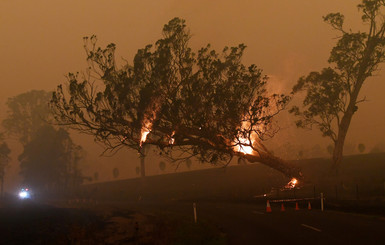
(41, 41)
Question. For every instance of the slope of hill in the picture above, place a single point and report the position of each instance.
(361, 176)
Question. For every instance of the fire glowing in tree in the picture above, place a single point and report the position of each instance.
(243, 145)
(149, 118)
(171, 141)
(144, 132)
(170, 88)
(146, 129)
(293, 182)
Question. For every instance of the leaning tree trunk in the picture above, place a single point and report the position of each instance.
(274, 162)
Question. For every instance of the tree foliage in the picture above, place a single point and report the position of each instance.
(50, 160)
(4, 154)
(4, 159)
(203, 104)
(332, 95)
(27, 113)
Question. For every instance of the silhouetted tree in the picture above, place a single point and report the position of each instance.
(27, 113)
(137, 170)
(188, 163)
(4, 159)
(332, 95)
(300, 154)
(162, 166)
(115, 173)
(361, 148)
(28, 117)
(207, 104)
(330, 149)
(96, 176)
(50, 160)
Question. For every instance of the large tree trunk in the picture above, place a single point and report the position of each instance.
(142, 167)
(340, 142)
(343, 127)
(274, 162)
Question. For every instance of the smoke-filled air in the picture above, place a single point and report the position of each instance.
(125, 114)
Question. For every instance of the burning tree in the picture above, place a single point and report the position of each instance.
(332, 95)
(207, 105)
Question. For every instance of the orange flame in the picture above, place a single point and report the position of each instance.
(146, 129)
(171, 141)
(293, 182)
(149, 117)
(243, 144)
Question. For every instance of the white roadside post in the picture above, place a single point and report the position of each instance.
(195, 212)
(322, 201)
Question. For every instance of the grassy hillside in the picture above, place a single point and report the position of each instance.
(361, 176)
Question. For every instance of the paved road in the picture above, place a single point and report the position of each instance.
(242, 223)
(250, 224)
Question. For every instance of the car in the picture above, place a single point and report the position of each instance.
(25, 193)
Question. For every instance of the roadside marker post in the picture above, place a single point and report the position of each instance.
(195, 212)
(322, 202)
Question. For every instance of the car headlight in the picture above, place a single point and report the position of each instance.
(24, 194)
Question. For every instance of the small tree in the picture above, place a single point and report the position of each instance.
(188, 163)
(115, 173)
(361, 148)
(96, 176)
(332, 95)
(207, 104)
(300, 154)
(137, 170)
(162, 166)
(330, 149)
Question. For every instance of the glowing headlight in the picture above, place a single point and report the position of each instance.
(23, 194)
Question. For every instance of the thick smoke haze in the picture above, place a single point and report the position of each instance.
(41, 41)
